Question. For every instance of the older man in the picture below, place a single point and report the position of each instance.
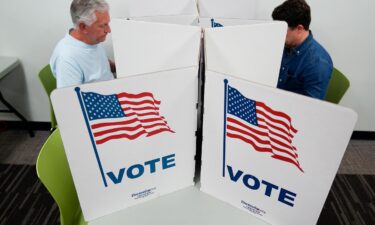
(79, 57)
(306, 66)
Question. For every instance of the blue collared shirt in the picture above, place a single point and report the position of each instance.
(306, 69)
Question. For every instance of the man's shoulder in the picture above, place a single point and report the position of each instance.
(319, 60)
(317, 55)
(64, 45)
(66, 49)
(317, 50)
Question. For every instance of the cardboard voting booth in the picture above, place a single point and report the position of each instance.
(145, 47)
(129, 140)
(151, 8)
(133, 139)
(182, 12)
(151, 40)
(251, 51)
(235, 9)
(276, 151)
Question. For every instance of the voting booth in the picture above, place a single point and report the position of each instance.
(268, 152)
(145, 47)
(182, 12)
(277, 152)
(128, 140)
(235, 9)
(251, 51)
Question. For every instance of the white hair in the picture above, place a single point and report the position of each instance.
(83, 11)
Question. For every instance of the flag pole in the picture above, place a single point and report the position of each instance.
(78, 91)
(225, 123)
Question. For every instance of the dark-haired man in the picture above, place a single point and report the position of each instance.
(306, 66)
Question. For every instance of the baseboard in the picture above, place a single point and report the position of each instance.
(21, 125)
(363, 135)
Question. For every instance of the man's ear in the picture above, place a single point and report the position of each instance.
(300, 27)
(82, 27)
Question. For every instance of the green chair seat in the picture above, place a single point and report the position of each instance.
(337, 87)
(53, 171)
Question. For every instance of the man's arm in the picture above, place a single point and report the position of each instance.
(68, 73)
(316, 78)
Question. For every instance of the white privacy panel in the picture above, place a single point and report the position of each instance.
(129, 140)
(251, 52)
(144, 47)
(276, 151)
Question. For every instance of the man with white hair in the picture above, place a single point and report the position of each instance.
(79, 57)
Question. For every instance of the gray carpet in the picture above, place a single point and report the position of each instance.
(359, 158)
(24, 200)
(17, 147)
(351, 201)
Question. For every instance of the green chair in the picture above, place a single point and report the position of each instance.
(49, 83)
(53, 170)
(337, 87)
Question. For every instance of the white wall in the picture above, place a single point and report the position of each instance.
(30, 30)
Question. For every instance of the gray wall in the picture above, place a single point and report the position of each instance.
(31, 29)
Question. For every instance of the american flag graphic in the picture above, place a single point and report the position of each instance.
(123, 115)
(265, 129)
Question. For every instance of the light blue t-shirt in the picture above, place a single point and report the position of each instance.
(74, 62)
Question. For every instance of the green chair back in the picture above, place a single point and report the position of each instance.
(53, 171)
(49, 83)
(337, 87)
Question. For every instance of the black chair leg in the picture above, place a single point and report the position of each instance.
(19, 115)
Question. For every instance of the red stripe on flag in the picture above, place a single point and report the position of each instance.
(267, 125)
(126, 122)
(277, 113)
(138, 96)
(269, 119)
(141, 116)
(118, 136)
(104, 132)
(140, 108)
(137, 103)
(254, 136)
(288, 160)
(257, 135)
(159, 131)
(260, 138)
(256, 147)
